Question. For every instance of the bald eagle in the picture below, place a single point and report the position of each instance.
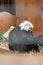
(21, 37)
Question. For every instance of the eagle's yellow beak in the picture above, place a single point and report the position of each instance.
(30, 29)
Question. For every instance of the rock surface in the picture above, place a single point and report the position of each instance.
(6, 20)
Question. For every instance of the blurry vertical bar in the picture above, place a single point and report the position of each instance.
(41, 5)
(12, 6)
(8, 5)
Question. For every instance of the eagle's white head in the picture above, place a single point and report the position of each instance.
(26, 25)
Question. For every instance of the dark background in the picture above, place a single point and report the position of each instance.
(8, 5)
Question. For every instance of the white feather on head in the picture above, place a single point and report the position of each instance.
(26, 25)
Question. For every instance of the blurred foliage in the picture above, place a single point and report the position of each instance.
(1, 35)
